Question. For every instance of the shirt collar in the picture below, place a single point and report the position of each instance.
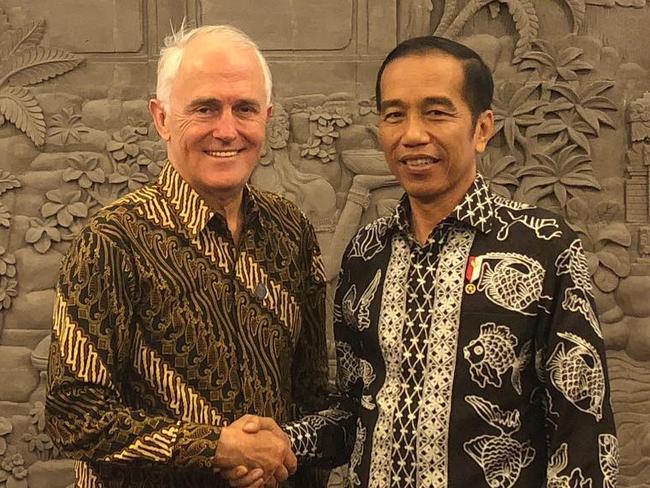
(476, 209)
(191, 208)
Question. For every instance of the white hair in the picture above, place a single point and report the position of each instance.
(174, 46)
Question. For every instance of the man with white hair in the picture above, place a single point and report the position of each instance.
(190, 303)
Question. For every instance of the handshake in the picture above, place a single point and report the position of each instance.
(253, 452)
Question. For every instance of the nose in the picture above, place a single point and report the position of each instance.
(415, 131)
(225, 128)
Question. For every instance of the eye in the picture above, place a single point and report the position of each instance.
(248, 110)
(393, 116)
(478, 350)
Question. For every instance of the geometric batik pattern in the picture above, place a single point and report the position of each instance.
(415, 342)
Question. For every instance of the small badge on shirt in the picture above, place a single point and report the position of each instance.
(472, 273)
(261, 291)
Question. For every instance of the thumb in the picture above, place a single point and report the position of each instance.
(253, 425)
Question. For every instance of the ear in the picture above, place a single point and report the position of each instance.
(269, 112)
(484, 130)
(159, 117)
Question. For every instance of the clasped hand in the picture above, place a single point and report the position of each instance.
(253, 452)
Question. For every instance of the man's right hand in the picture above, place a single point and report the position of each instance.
(254, 451)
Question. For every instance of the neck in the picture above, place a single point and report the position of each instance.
(426, 214)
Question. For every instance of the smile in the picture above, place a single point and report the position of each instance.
(419, 162)
(222, 154)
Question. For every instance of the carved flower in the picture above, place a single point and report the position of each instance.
(326, 134)
(129, 174)
(7, 292)
(37, 441)
(37, 414)
(85, 170)
(67, 126)
(41, 234)
(154, 158)
(605, 239)
(66, 205)
(498, 173)
(277, 130)
(368, 106)
(5, 428)
(7, 263)
(124, 144)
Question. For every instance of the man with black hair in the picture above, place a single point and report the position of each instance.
(469, 350)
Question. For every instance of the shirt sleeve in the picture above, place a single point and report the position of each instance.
(326, 438)
(571, 363)
(92, 342)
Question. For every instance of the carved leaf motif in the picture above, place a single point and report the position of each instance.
(616, 259)
(605, 279)
(39, 64)
(24, 37)
(527, 24)
(8, 182)
(21, 108)
(577, 8)
(616, 233)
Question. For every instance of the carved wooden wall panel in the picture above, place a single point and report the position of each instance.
(572, 108)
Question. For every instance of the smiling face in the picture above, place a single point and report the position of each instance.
(216, 124)
(426, 128)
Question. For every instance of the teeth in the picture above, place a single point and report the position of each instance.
(420, 162)
(222, 154)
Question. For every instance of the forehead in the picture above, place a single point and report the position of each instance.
(423, 76)
(218, 66)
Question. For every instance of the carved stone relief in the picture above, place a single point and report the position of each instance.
(573, 134)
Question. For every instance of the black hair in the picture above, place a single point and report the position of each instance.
(478, 86)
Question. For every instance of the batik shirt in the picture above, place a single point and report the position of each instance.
(165, 330)
(474, 360)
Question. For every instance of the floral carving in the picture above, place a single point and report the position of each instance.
(8, 290)
(85, 170)
(324, 130)
(153, 158)
(605, 239)
(39, 442)
(66, 126)
(7, 263)
(124, 144)
(129, 174)
(12, 472)
(23, 62)
(42, 233)
(65, 205)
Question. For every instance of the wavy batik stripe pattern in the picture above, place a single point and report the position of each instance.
(165, 330)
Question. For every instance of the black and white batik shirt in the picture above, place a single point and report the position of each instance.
(474, 360)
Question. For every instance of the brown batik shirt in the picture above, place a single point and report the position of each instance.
(165, 330)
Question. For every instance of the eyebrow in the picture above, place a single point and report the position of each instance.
(200, 102)
(428, 101)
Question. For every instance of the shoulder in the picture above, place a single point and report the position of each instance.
(111, 222)
(277, 210)
(371, 239)
(533, 227)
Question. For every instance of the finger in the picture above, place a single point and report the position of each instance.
(253, 478)
(290, 462)
(253, 424)
(235, 473)
(281, 474)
